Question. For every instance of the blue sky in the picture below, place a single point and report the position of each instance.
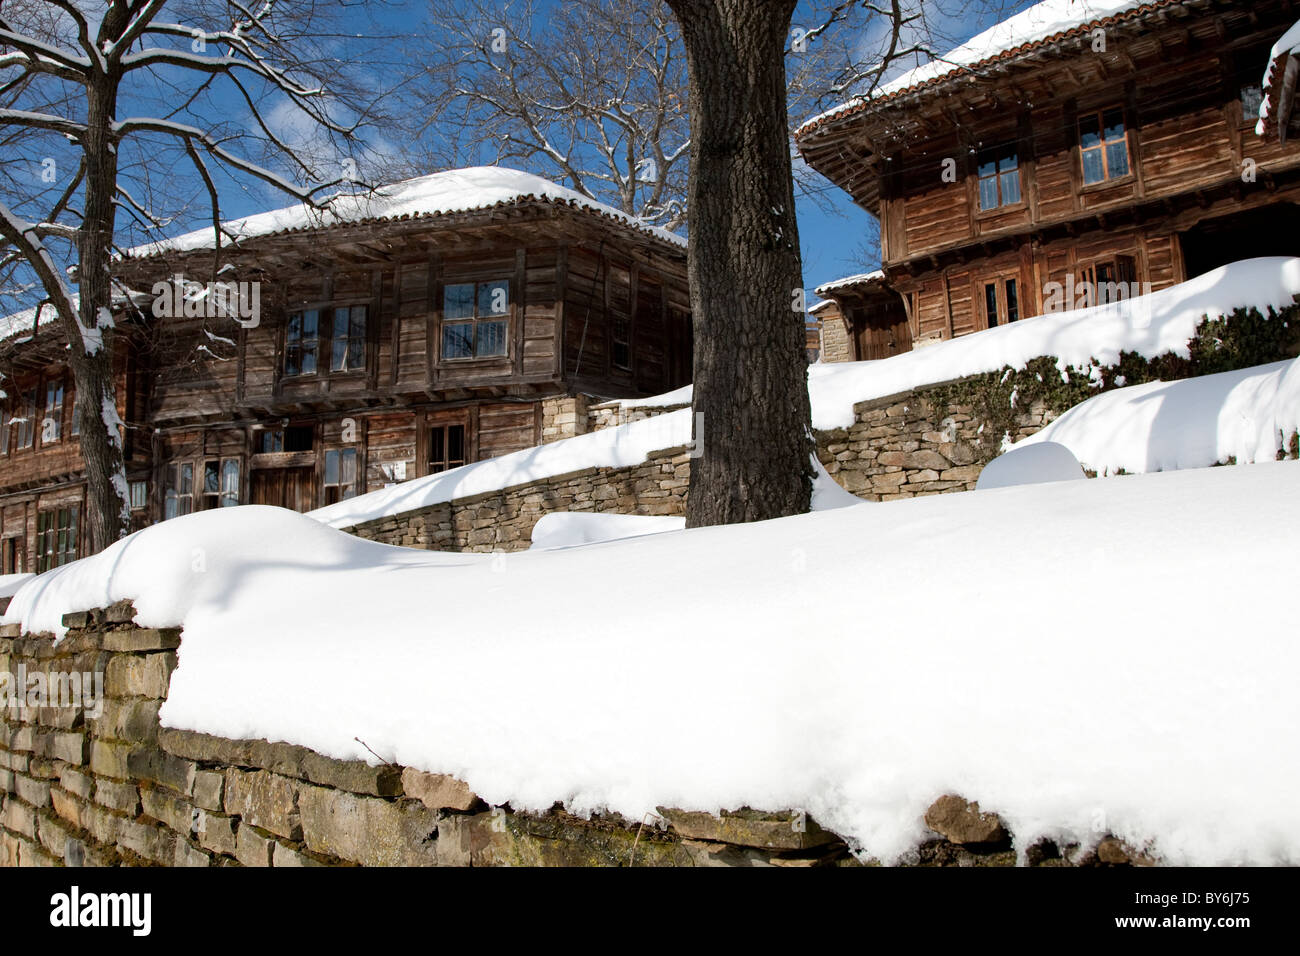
(832, 230)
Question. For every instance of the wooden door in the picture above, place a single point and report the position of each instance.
(292, 488)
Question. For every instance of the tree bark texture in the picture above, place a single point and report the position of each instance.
(745, 271)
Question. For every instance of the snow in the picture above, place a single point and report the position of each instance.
(848, 281)
(1277, 88)
(10, 583)
(1150, 324)
(458, 190)
(566, 529)
(1248, 415)
(1029, 465)
(618, 447)
(1040, 22)
(1146, 617)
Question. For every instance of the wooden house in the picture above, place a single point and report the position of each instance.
(317, 356)
(1104, 146)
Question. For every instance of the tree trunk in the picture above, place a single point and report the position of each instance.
(92, 367)
(745, 271)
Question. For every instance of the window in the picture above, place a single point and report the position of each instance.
(295, 438)
(1103, 146)
(475, 319)
(220, 483)
(349, 339)
(446, 447)
(1001, 302)
(1110, 280)
(139, 495)
(179, 497)
(27, 419)
(999, 177)
(1251, 98)
(56, 538)
(52, 423)
(14, 555)
(340, 474)
(301, 338)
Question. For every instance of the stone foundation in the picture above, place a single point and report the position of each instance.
(108, 786)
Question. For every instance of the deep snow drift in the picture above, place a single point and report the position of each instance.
(1248, 415)
(1079, 656)
(1030, 465)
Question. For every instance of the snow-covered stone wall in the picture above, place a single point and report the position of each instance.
(503, 520)
(92, 779)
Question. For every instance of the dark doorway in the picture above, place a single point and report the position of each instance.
(1269, 231)
(879, 325)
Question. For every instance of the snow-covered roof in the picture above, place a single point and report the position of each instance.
(1043, 23)
(1279, 83)
(848, 282)
(818, 307)
(454, 191)
(23, 322)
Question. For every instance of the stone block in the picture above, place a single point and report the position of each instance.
(253, 847)
(772, 831)
(367, 830)
(216, 832)
(139, 675)
(357, 776)
(962, 822)
(168, 808)
(265, 800)
(438, 791)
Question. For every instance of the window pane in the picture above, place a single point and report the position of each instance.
(456, 444)
(356, 354)
(340, 358)
(491, 338)
(1011, 186)
(1089, 132)
(987, 167)
(988, 193)
(991, 303)
(310, 320)
(458, 301)
(293, 331)
(169, 504)
(332, 467)
(1092, 168)
(348, 473)
(292, 360)
(187, 479)
(493, 298)
(1013, 302)
(229, 482)
(458, 340)
(1251, 97)
(211, 478)
(309, 360)
(1117, 159)
(357, 322)
(437, 449)
(1114, 124)
(1009, 161)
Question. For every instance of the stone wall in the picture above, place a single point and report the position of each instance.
(503, 520)
(900, 446)
(104, 785)
(906, 445)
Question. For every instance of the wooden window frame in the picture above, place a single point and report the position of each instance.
(506, 319)
(356, 484)
(25, 440)
(334, 338)
(208, 500)
(14, 554)
(131, 487)
(174, 483)
(1099, 115)
(58, 533)
(289, 344)
(57, 384)
(447, 461)
(1125, 268)
(1005, 287)
(998, 153)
